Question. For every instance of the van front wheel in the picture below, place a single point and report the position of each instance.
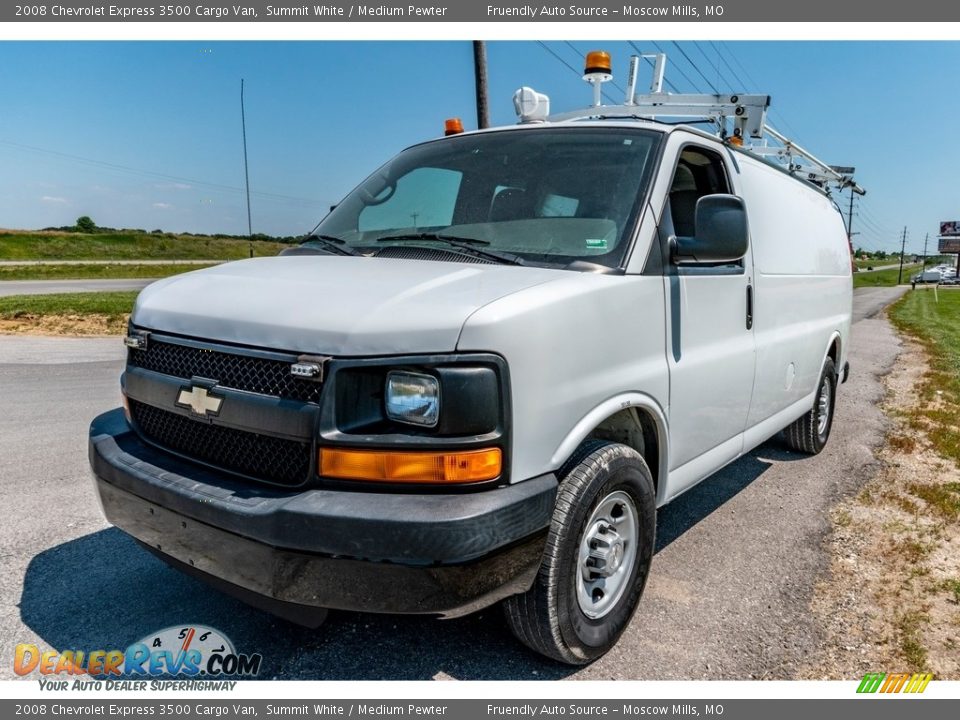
(809, 433)
(596, 559)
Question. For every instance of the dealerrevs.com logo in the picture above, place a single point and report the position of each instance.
(187, 650)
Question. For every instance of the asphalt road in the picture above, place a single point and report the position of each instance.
(49, 287)
(728, 594)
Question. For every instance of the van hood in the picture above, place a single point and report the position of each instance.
(331, 305)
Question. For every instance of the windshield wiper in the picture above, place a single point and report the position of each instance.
(336, 245)
(470, 245)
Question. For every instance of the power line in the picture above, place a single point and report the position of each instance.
(679, 69)
(669, 84)
(733, 57)
(572, 68)
(872, 222)
(714, 63)
(752, 85)
(867, 210)
(581, 55)
(866, 222)
(743, 87)
(696, 67)
(102, 164)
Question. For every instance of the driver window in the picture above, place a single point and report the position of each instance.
(423, 198)
(699, 172)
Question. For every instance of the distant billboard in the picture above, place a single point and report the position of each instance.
(949, 245)
(950, 228)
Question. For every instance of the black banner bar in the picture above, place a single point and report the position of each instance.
(483, 11)
(227, 708)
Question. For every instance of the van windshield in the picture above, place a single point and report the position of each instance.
(550, 196)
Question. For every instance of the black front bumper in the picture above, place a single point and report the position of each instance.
(435, 554)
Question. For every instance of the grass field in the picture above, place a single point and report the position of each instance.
(94, 313)
(884, 278)
(864, 264)
(937, 326)
(97, 303)
(87, 272)
(127, 246)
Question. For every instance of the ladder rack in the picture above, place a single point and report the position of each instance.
(737, 116)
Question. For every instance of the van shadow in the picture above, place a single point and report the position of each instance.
(102, 591)
(718, 489)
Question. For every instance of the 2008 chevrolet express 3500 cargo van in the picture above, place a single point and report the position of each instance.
(480, 377)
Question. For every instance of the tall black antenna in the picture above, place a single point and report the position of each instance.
(246, 169)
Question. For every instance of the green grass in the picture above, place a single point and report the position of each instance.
(937, 326)
(944, 500)
(953, 587)
(127, 246)
(911, 642)
(112, 304)
(87, 272)
(884, 278)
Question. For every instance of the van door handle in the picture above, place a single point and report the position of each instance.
(749, 307)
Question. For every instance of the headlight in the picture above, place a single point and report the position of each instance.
(413, 398)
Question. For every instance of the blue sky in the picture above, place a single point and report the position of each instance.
(148, 134)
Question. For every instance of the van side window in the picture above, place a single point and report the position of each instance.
(699, 172)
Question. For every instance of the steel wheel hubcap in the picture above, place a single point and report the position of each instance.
(608, 549)
(823, 405)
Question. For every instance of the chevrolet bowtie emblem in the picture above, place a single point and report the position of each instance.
(200, 401)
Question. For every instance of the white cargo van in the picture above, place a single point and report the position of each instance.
(484, 370)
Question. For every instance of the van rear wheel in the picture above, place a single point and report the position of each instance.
(809, 433)
(596, 559)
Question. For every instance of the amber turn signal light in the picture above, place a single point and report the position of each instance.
(411, 467)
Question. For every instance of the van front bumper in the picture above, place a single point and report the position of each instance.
(292, 552)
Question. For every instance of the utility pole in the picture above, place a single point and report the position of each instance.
(246, 171)
(480, 81)
(850, 220)
(925, 252)
(903, 245)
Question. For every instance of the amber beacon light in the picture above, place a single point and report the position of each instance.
(596, 71)
(452, 126)
(598, 62)
(411, 467)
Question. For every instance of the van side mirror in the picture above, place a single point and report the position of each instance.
(721, 232)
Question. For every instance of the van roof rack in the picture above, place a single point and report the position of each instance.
(741, 119)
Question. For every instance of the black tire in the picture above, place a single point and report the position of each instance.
(806, 434)
(548, 618)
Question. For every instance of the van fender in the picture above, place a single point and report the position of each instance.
(835, 335)
(610, 407)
